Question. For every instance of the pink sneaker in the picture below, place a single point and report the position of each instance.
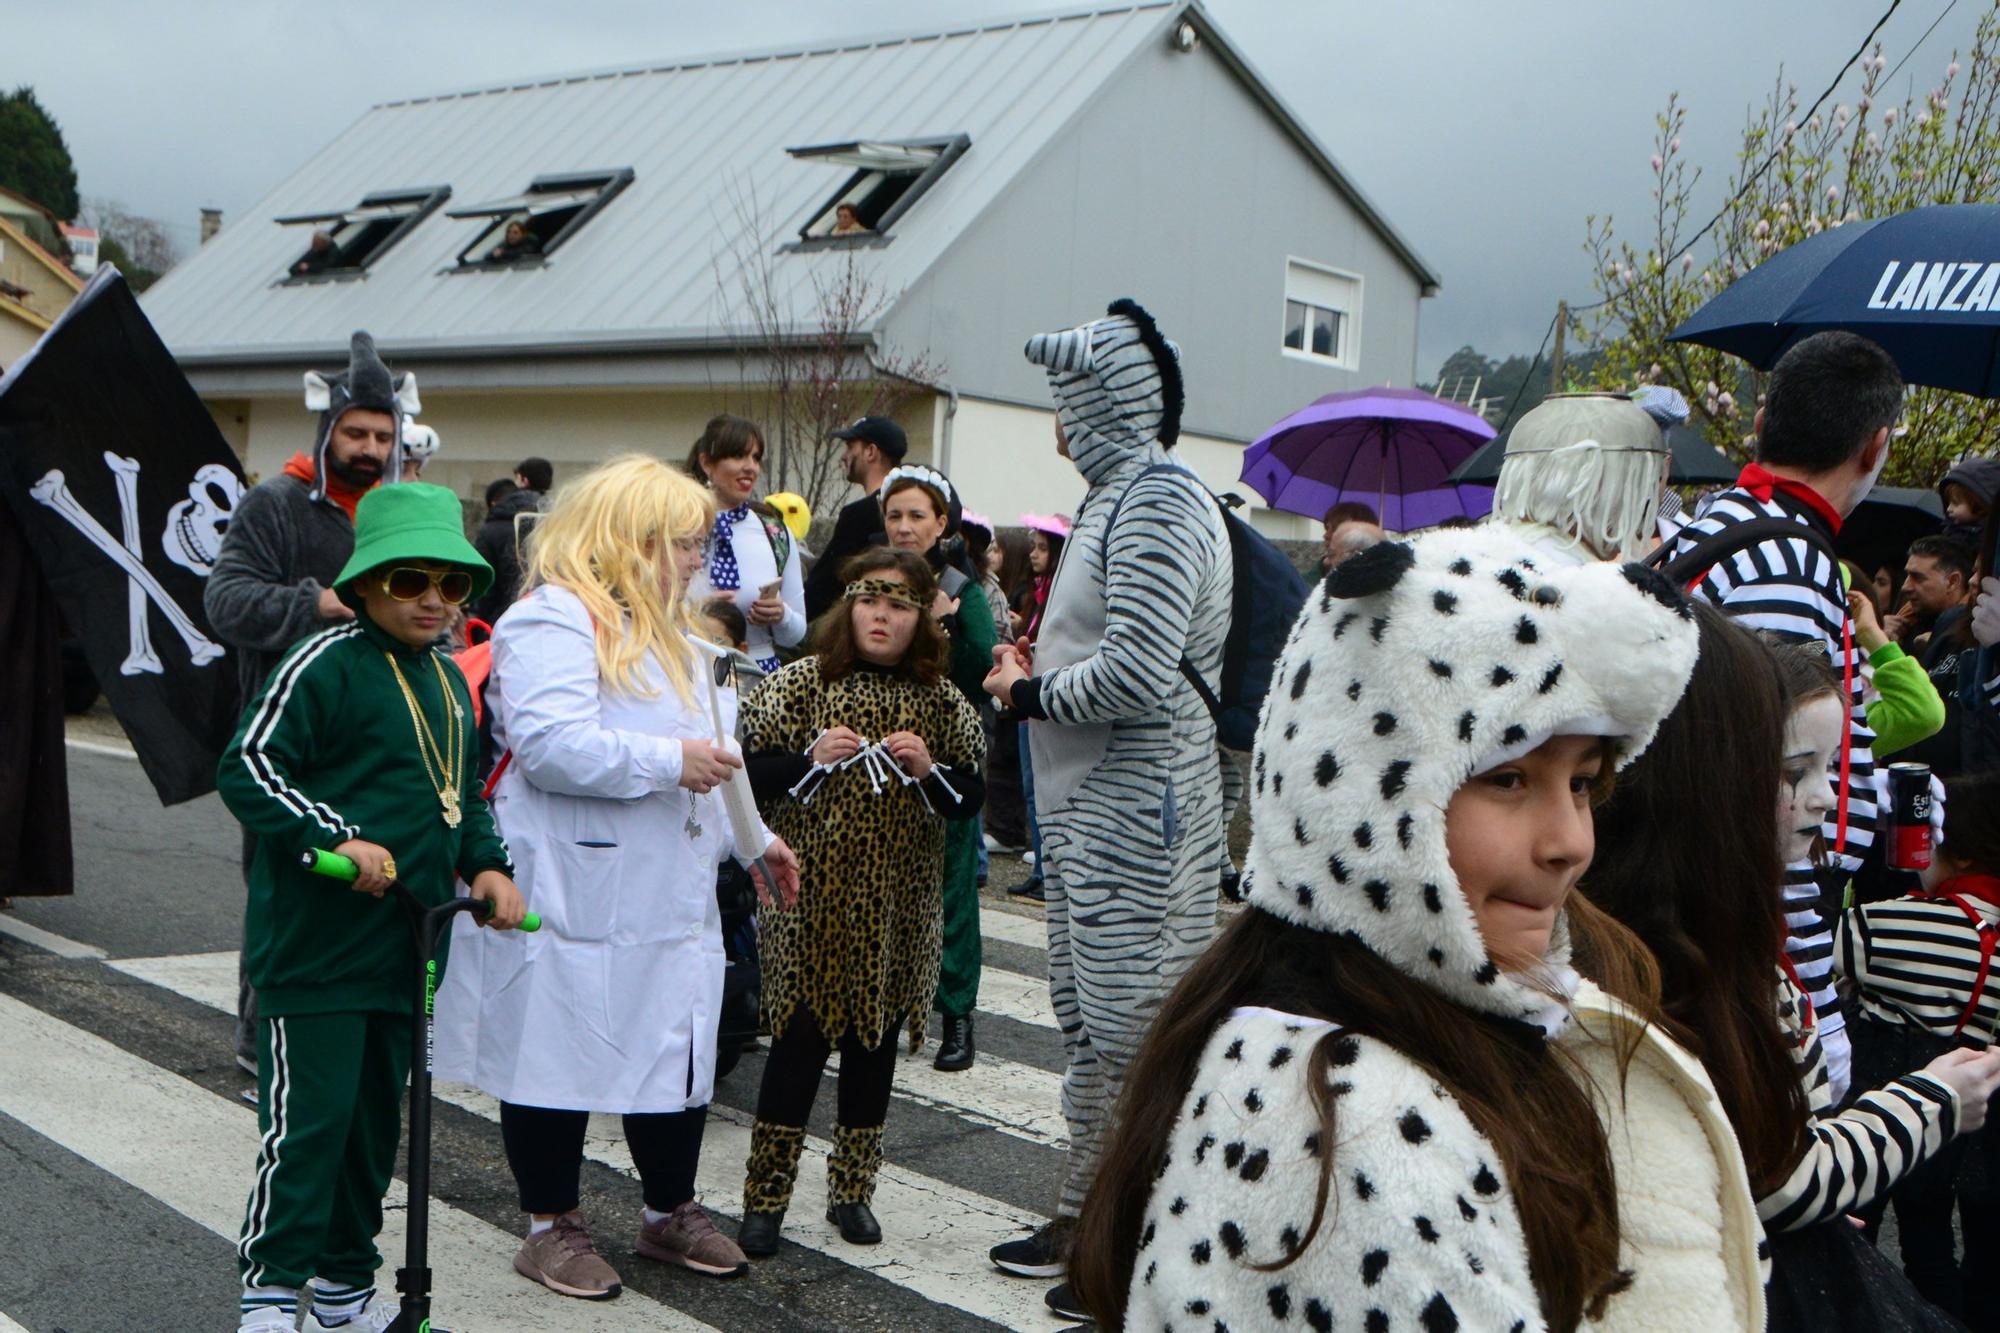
(687, 1237)
(564, 1260)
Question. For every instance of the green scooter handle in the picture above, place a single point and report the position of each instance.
(335, 866)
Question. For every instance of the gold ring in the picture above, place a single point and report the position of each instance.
(389, 867)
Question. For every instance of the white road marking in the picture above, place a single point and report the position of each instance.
(9, 1326)
(1014, 1098)
(58, 945)
(99, 747)
(195, 1152)
(1029, 931)
(1011, 995)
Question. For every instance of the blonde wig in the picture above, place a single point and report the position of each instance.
(606, 537)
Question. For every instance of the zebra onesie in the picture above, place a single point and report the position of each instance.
(1127, 785)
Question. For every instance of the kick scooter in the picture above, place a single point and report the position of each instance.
(413, 1279)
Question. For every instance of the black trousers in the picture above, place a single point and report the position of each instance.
(545, 1150)
(791, 1075)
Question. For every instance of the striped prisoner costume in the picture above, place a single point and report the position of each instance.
(1127, 785)
(1809, 944)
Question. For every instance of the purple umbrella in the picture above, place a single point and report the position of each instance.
(1394, 449)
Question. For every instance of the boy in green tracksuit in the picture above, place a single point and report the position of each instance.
(360, 743)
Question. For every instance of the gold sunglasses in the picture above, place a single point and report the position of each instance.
(406, 583)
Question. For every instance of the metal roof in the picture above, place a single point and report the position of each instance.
(704, 139)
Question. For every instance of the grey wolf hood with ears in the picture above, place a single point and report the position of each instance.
(1117, 383)
(1418, 665)
(368, 384)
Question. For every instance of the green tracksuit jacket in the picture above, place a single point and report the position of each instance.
(326, 753)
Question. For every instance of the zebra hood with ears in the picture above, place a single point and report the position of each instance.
(1117, 383)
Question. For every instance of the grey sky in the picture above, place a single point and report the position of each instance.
(1486, 132)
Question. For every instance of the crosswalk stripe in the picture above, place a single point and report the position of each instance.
(47, 939)
(1030, 932)
(1011, 995)
(194, 1152)
(1007, 1095)
(934, 1235)
(9, 1326)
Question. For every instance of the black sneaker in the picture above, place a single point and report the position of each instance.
(1044, 1252)
(1032, 889)
(1063, 1301)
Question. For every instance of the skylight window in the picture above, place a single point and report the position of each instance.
(346, 241)
(886, 178)
(526, 228)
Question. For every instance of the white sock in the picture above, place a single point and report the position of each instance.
(537, 1225)
(258, 1301)
(655, 1218)
(337, 1302)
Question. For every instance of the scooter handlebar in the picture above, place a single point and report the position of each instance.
(335, 866)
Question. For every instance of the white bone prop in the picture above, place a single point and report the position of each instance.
(193, 535)
(139, 657)
(737, 800)
(52, 490)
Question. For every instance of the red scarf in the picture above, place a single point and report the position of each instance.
(1986, 888)
(1042, 585)
(1764, 484)
(347, 497)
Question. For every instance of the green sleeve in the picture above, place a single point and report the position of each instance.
(1909, 709)
(479, 844)
(972, 642)
(264, 776)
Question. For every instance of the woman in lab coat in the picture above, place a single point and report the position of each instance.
(609, 804)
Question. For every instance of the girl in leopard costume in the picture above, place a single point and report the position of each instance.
(861, 753)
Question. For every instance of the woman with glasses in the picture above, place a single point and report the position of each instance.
(606, 795)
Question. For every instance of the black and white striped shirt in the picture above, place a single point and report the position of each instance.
(1791, 589)
(1916, 961)
(1809, 944)
(1855, 1156)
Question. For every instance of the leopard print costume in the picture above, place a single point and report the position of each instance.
(861, 946)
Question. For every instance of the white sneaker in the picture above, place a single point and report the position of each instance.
(270, 1321)
(378, 1314)
(1027, 858)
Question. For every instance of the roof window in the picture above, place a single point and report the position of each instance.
(346, 241)
(526, 228)
(886, 178)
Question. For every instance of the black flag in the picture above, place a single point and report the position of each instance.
(123, 485)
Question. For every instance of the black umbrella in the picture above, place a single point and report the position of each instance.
(1696, 462)
(1881, 528)
(1924, 284)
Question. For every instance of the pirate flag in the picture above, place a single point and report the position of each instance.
(116, 474)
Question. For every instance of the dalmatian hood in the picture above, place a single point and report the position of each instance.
(1420, 664)
(1117, 385)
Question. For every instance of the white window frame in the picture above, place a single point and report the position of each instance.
(1349, 352)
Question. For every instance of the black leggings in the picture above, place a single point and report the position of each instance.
(791, 1075)
(545, 1150)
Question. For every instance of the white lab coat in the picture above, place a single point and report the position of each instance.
(612, 1005)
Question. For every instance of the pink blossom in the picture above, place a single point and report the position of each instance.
(1923, 118)
(1762, 229)
(1889, 116)
(1951, 70)
(1687, 262)
(1833, 194)
(1674, 145)
(1728, 402)
(1865, 102)
(1656, 162)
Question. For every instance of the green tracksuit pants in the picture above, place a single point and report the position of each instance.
(330, 1106)
(958, 968)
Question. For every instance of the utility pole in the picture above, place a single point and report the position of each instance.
(1556, 357)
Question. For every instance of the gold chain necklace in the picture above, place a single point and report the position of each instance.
(450, 758)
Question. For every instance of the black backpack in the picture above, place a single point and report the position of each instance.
(1265, 594)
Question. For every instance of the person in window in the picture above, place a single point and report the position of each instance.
(319, 256)
(847, 222)
(518, 243)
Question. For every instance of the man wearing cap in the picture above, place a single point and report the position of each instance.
(874, 445)
(273, 580)
(360, 744)
(1128, 790)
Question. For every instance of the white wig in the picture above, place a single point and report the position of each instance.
(1588, 466)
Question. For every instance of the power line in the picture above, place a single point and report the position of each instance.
(1523, 387)
(1920, 41)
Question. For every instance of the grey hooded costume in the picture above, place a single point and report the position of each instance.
(1127, 785)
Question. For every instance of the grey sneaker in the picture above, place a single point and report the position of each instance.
(563, 1260)
(687, 1237)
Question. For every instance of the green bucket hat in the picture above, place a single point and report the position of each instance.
(411, 520)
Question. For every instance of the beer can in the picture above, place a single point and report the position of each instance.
(1908, 828)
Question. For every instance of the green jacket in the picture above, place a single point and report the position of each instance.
(326, 753)
(1910, 709)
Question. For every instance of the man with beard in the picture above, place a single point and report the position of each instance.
(273, 581)
(874, 445)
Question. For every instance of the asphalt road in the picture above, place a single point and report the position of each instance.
(126, 1151)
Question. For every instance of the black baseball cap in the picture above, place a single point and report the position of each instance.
(881, 432)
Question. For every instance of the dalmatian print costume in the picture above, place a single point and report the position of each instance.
(1417, 666)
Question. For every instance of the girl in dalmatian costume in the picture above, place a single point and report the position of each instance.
(1384, 1100)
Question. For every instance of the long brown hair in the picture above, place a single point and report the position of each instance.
(728, 436)
(1529, 1100)
(833, 632)
(1687, 857)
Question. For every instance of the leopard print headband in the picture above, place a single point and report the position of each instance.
(894, 590)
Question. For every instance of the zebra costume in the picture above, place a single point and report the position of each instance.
(1127, 787)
